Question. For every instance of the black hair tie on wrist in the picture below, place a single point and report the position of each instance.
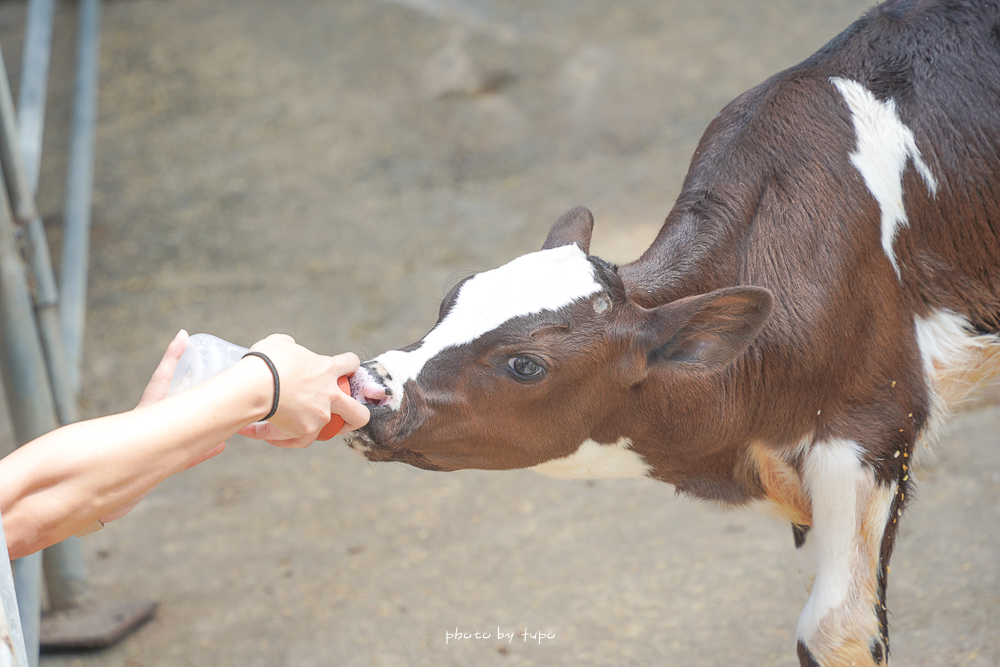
(277, 385)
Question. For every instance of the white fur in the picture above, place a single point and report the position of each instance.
(946, 342)
(884, 147)
(957, 361)
(805, 556)
(943, 337)
(833, 474)
(543, 280)
(596, 461)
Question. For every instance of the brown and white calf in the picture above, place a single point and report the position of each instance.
(826, 286)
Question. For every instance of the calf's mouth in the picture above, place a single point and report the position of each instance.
(365, 442)
(379, 440)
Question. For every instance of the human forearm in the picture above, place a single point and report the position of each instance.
(65, 480)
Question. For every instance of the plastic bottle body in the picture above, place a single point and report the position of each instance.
(204, 357)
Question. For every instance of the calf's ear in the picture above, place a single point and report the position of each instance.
(709, 330)
(573, 226)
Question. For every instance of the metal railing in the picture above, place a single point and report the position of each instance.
(41, 335)
(12, 650)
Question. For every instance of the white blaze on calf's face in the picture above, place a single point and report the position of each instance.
(544, 280)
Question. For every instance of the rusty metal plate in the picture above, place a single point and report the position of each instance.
(93, 625)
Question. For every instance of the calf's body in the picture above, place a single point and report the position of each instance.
(825, 288)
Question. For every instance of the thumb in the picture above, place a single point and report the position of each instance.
(160, 381)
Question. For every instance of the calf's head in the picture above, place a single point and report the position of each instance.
(542, 358)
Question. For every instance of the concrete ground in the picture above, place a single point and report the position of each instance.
(328, 169)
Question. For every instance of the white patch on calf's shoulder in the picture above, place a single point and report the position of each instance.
(884, 146)
(544, 280)
(593, 460)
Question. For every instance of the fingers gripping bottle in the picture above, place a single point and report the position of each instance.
(206, 356)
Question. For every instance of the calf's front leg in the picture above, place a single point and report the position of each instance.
(845, 554)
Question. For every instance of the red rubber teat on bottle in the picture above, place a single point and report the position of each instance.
(336, 421)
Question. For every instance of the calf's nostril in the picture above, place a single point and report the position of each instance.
(373, 395)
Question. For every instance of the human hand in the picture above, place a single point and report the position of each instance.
(156, 390)
(159, 383)
(309, 394)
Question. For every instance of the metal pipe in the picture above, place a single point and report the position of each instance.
(27, 571)
(26, 382)
(9, 607)
(25, 378)
(34, 82)
(45, 293)
(31, 123)
(79, 182)
(65, 568)
(28, 584)
(22, 200)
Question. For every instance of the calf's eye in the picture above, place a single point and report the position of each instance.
(525, 369)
